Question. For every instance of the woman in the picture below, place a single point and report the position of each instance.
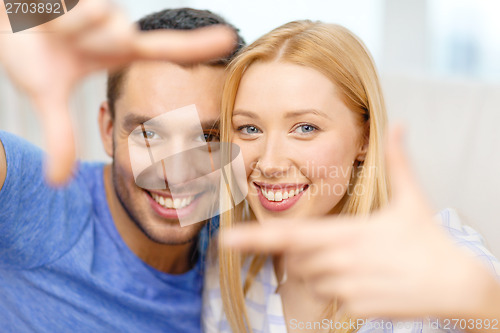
(304, 105)
(452, 278)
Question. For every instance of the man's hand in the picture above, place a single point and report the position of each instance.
(47, 62)
(397, 262)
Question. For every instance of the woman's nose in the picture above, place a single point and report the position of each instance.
(274, 160)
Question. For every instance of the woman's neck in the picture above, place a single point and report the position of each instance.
(299, 303)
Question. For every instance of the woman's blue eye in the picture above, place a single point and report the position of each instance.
(305, 128)
(248, 129)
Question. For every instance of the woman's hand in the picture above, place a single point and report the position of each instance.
(49, 60)
(397, 262)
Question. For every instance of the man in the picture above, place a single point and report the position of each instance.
(98, 255)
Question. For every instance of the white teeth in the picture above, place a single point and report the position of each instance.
(188, 201)
(280, 196)
(169, 203)
(177, 203)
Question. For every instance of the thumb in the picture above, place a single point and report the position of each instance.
(59, 137)
(185, 46)
(404, 185)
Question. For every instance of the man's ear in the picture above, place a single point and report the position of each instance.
(365, 139)
(106, 128)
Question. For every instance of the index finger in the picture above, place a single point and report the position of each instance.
(59, 136)
(292, 238)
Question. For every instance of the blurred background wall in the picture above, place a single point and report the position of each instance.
(440, 66)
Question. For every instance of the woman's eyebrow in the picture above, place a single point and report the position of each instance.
(289, 114)
(245, 113)
(297, 113)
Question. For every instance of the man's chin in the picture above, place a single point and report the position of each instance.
(153, 225)
(171, 233)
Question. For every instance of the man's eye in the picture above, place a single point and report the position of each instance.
(211, 136)
(140, 135)
(150, 135)
(248, 129)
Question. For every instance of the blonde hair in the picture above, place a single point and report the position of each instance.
(339, 55)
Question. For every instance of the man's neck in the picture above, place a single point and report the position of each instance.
(172, 259)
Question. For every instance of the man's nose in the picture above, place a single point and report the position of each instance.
(183, 163)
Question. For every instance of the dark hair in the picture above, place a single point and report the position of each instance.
(179, 19)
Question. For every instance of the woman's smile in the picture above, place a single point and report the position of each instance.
(279, 197)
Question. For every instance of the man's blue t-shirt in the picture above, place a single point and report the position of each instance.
(65, 268)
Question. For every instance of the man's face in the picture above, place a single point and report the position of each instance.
(150, 90)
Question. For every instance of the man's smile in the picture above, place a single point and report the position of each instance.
(167, 201)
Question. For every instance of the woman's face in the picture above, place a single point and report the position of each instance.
(298, 139)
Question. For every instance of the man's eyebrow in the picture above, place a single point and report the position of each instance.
(210, 124)
(133, 120)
